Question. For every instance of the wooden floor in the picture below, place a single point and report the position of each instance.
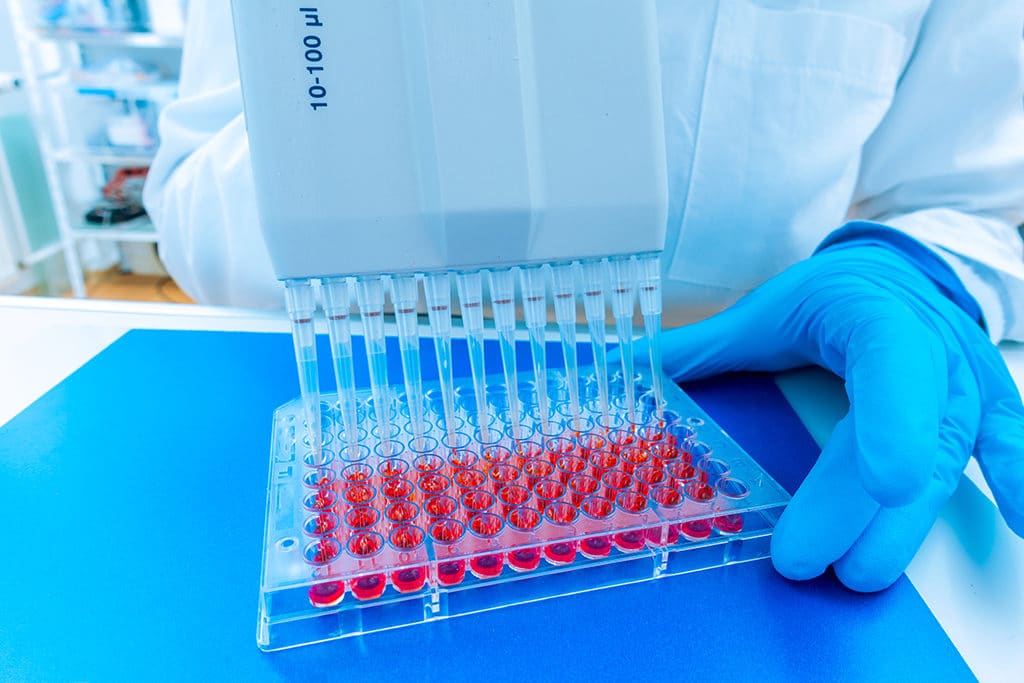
(114, 285)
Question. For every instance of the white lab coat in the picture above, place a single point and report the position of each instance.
(783, 119)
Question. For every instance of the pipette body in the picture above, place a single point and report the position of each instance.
(503, 306)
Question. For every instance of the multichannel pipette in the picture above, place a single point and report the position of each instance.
(593, 305)
(471, 306)
(503, 306)
(649, 287)
(563, 291)
(438, 289)
(623, 286)
(370, 295)
(301, 306)
(337, 304)
(535, 313)
(405, 294)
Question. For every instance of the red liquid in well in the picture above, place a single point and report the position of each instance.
(393, 467)
(486, 566)
(569, 465)
(631, 458)
(451, 573)
(326, 594)
(525, 450)
(562, 552)
(524, 559)
(439, 507)
(535, 470)
(601, 462)
(368, 587)
(359, 494)
(729, 524)
(547, 491)
(426, 464)
(409, 580)
(695, 531)
(394, 488)
(630, 541)
(512, 496)
(595, 548)
(581, 486)
(469, 479)
(654, 535)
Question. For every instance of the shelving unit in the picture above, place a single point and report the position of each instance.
(51, 56)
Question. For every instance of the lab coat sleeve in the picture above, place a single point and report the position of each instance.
(946, 165)
(199, 192)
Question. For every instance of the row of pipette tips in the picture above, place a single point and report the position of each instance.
(622, 278)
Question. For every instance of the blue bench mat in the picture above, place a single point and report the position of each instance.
(133, 497)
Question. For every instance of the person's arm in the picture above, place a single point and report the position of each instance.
(895, 308)
(199, 192)
(946, 165)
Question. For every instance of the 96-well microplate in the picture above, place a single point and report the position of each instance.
(399, 531)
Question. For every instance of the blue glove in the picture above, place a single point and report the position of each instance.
(927, 390)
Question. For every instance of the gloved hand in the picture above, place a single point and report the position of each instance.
(927, 390)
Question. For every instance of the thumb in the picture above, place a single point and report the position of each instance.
(739, 338)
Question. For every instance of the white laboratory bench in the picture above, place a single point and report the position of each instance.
(970, 570)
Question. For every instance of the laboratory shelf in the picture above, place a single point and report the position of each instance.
(368, 534)
(139, 39)
(68, 120)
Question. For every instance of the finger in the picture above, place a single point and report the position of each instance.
(892, 539)
(827, 514)
(896, 377)
(1000, 444)
(738, 338)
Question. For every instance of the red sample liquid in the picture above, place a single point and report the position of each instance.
(469, 479)
(394, 488)
(368, 587)
(695, 531)
(596, 547)
(633, 457)
(487, 566)
(513, 496)
(581, 486)
(525, 450)
(729, 524)
(524, 559)
(654, 536)
(601, 462)
(409, 580)
(568, 466)
(560, 553)
(546, 491)
(536, 469)
(451, 572)
(326, 594)
(630, 541)
(393, 467)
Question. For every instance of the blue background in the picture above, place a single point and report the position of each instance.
(133, 497)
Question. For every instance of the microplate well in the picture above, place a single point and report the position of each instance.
(460, 521)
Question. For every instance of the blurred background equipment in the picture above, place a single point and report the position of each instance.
(78, 129)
